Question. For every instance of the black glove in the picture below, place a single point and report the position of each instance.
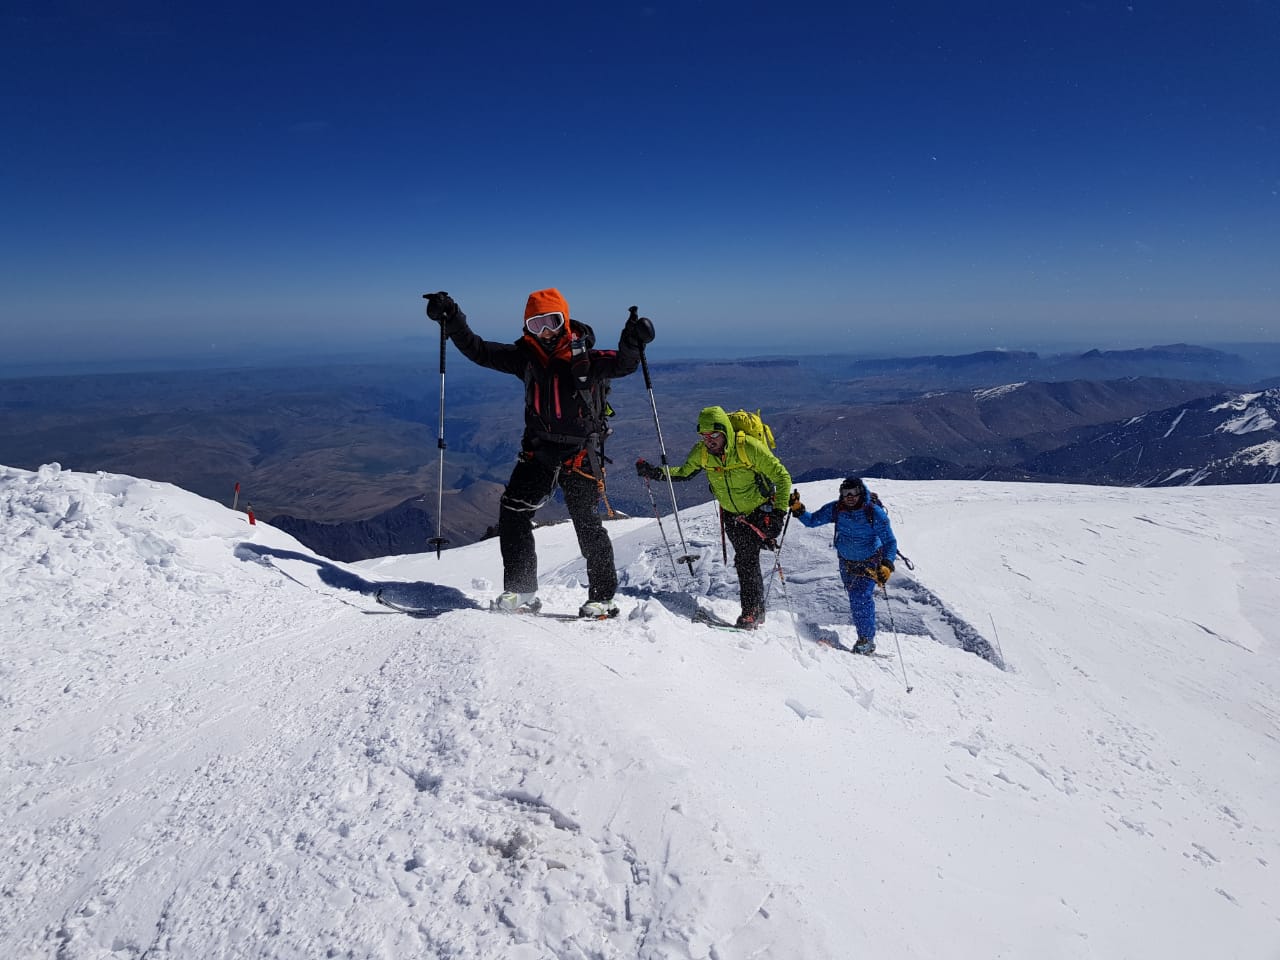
(442, 309)
(638, 329)
(647, 470)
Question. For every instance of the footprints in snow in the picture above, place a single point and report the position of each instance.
(997, 768)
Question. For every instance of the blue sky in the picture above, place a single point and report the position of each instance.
(892, 177)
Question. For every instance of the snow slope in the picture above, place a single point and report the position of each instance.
(216, 744)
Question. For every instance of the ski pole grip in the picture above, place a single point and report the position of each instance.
(632, 315)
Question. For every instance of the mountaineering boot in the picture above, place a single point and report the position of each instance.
(511, 602)
(598, 609)
(750, 619)
(864, 646)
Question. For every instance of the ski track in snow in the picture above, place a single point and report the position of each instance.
(218, 745)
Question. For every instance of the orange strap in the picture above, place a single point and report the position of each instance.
(575, 465)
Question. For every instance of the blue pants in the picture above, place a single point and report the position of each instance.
(862, 600)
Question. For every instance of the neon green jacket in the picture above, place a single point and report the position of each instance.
(745, 476)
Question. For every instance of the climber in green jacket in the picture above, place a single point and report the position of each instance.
(752, 487)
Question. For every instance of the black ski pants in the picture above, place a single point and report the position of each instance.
(747, 544)
(531, 485)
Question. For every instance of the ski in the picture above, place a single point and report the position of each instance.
(708, 619)
(837, 645)
(833, 644)
(824, 637)
(548, 615)
(407, 611)
(537, 611)
(424, 612)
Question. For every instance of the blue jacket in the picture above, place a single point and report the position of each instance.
(856, 538)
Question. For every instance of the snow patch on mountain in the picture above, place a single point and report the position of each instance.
(1173, 426)
(1252, 420)
(992, 393)
(1263, 455)
(1240, 402)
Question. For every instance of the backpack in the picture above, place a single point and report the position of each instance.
(744, 421)
(594, 394)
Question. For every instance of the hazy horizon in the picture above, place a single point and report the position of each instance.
(424, 348)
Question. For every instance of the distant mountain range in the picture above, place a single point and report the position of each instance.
(965, 434)
(1226, 438)
(1002, 432)
(344, 456)
(1179, 361)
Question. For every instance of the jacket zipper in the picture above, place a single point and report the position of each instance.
(724, 473)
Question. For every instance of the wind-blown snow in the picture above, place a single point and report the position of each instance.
(216, 744)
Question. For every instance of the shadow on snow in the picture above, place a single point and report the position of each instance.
(426, 599)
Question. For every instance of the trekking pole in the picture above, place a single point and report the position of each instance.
(782, 578)
(688, 557)
(438, 540)
(663, 530)
(996, 634)
(777, 564)
(894, 627)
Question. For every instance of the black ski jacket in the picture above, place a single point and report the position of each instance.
(560, 388)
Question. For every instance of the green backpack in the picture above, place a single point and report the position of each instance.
(744, 421)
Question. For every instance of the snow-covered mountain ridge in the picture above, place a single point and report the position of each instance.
(216, 744)
(1224, 439)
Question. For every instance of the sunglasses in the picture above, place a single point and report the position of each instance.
(544, 322)
(713, 435)
(852, 492)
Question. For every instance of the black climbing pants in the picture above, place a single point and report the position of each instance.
(531, 485)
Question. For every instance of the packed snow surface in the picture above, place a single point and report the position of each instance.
(217, 744)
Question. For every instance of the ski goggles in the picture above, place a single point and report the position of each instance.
(852, 493)
(712, 436)
(539, 324)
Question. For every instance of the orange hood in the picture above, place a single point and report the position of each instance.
(549, 300)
